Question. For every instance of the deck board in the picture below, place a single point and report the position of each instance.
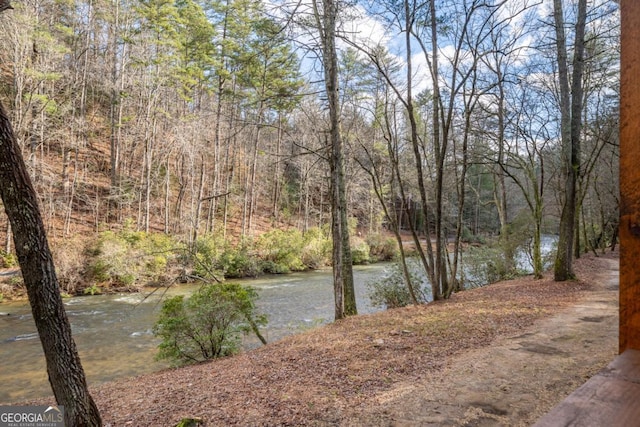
(610, 398)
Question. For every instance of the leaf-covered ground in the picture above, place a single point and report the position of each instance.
(370, 370)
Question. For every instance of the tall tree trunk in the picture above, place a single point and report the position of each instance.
(229, 161)
(66, 375)
(439, 264)
(392, 214)
(276, 173)
(198, 208)
(253, 193)
(115, 110)
(345, 302)
(571, 126)
(500, 188)
(148, 154)
(455, 285)
(428, 260)
(167, 196)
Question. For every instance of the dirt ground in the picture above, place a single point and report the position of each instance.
(502, 355)
(516, 379)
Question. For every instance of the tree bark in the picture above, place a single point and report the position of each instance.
(345, 301)
(66, 375)
(571, 126)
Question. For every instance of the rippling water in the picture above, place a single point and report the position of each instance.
(113, 332)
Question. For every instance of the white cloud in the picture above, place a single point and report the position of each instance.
(364, 28)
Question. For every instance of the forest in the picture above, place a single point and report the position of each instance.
(172, 141)
(210, 124)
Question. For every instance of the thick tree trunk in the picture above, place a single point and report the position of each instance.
(66, 375)
(571, 126)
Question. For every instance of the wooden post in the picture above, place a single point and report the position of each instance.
(630, 176)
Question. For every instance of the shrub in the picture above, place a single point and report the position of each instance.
(207, 250)
(8, 289)
(382, 248)
(486, 264)
(215, 258)
(7, 260)
(468, 237)
(238, 261)
(281, 250)
(316, 252)
(131, 258)
(92, 290)
(359, 251)
(16, 281)
(391, 290)
(70, 260)
(207, 325)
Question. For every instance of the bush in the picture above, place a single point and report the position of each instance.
(207, 325)
(382, 248)
(316, 252)
(468, 237)
(70, 260)
(359, 251)
(281, 250)
(238, 261)
(131, 258)
(207, 251)
(391, 291)
(275, 252)
(486, 264)
(7, 260)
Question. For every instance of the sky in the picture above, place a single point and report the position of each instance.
(364, 28)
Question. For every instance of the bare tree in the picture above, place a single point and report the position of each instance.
(571, 99)
(345, 302)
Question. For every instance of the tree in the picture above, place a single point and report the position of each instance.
(270, 70)
(523, 162)
(570, 127)
(505, 54)
(345, 301)
(66, 375)
(374, 164)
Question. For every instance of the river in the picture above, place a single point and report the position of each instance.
(113, 332)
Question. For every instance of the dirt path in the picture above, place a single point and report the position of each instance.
(517, 379)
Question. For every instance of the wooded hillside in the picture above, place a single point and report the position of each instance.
(193, 118)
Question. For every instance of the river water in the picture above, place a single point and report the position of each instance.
(113, 332)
